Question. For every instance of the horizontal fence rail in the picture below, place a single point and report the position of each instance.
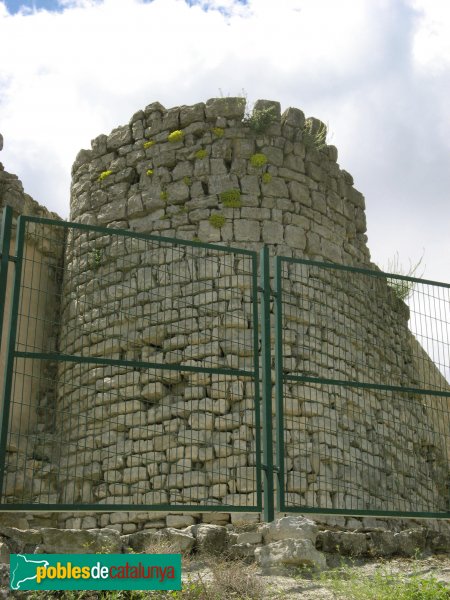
(362, 392)
(133, 375)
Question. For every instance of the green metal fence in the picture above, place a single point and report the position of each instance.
(132, 375)
(133, 368)
(362, 392)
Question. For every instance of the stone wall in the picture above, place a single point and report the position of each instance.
(206, 173)
(33, 389)
(139, 435)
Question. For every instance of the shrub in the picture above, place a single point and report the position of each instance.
(217, 220)
(403, 288)
(315, 138)
(200, 154)
(231, 198)
(104, 175)
(149, 144)
(175, 136)
(258, 160)
(260, 120)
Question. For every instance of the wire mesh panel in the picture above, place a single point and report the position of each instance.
(363, 393)
(149, 395)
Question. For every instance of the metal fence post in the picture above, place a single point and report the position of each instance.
(10, 349)
(279, 383)
(269, 508)
(5, 240)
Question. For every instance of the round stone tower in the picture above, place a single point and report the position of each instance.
(137, 435)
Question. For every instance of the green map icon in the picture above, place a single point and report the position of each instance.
(23, 569)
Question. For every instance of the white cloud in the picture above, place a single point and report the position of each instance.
(376, 71)
(432, 40)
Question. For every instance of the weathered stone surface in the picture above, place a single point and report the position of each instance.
(343, 542)
(290, 552)
(209, 538)
(91, 541)
(298, 528)
(169, 539)
(232, 108)
(119, 137)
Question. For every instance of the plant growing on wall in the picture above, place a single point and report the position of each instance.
(313, 137)
(266, 178)
(149, 172)
(149, 144)
(258, 160)
(231, 198)
(104, 174)
(217, 220)
(403, 288)
(260, 120)
(175, 136)
(95, 258)
(200, 154)
(218, 131)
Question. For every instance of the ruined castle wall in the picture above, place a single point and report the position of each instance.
(37, 331)
(136, 435)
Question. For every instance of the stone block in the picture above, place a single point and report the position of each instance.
(295, 237)
(210, 539)
(272, 233)
(343, 542)
(119, 137)
(231, 108)
(180, 521)
(298, 528)
(290, 552)
(293, 117)
(73, 541)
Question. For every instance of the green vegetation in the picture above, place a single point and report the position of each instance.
(149, 172)
(95, 258)
(218, 131)
(315, 138)
(164, 195)
(348, 583)
(231, 198)
(187, 180)
(149, 144)
(258, 160)
(260, 120)
(104, 174)
(228, 581)
(200, 154)
(176, 136)
(403, 288)
(266, 177)
(217, 220)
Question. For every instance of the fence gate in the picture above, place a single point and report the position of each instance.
(362, 391)
(132, 372)
(130, 376)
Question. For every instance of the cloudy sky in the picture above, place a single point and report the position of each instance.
(377, 71)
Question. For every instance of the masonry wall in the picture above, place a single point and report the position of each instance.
(202, 173)
(134, 435)
(33, 387)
